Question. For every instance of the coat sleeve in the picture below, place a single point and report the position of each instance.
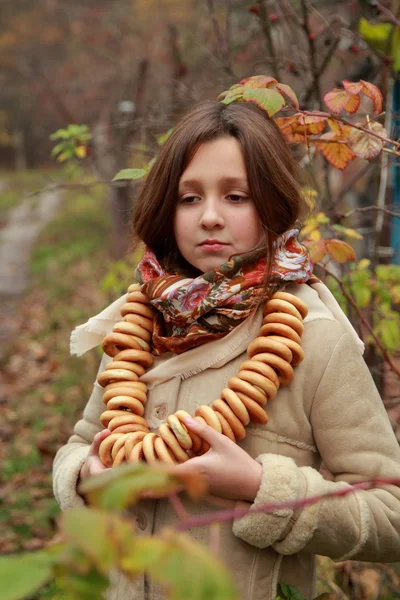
(356, 441)
(70, 458)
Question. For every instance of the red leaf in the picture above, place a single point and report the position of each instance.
(370, 90)
(336, 100)
(353, 87)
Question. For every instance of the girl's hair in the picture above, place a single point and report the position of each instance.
(273, 175)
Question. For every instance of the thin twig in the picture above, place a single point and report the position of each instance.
(387, 12)
(266, 28)
(313, 56)
(238, 512)
(368, 208)
(222, 45)
(350, 124)
(364, 321)
(177, 504)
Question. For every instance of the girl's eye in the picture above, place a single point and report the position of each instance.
(236, 199)
(189, 200)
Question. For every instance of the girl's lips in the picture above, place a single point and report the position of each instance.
(213, 246)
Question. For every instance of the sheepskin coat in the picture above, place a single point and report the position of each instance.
(330, 412)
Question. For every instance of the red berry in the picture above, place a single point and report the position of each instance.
(273, 17)
(311, 36)
(354, 48)
(387, 60)
(255, 10)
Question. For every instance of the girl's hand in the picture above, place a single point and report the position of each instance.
(230, 471)
(93, 464)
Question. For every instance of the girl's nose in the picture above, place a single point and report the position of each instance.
(211, 216)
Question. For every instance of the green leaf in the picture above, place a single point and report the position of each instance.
(348, 232)
(229, 98)
(388, 330)
(388, 273)
(21, 576)
(129, 174)
(105, 537)
(265, 98)
(362, 295)
(190, 569)
(163, 138)
(290, 592)
(120, 487)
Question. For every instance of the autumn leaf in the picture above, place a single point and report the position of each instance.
(315, 235)
(311, 125)
(335, 151)
(287, 91)
(336, 100)
(288, 126)
(317, 249)
(297, 127)
(267, 99)
(353, 87)
(340, 251)
(352, 104)
(365, 145)
(258, 81)
(370, 90)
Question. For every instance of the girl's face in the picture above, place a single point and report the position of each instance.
(215, 216)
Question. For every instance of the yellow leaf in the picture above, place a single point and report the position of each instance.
(309, 196)
(310, 225)
(352, 233)
(335, 151)
(322, 218)
(341, 251)
(315, 235)
(81, 151)
(364, 264)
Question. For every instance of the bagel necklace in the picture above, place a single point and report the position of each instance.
(272, 356)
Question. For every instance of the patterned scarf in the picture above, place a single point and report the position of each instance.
(191, 312)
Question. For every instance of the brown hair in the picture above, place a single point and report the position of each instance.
(271, 170)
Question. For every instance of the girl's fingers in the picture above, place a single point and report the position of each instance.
(98, 438)
(206, 432)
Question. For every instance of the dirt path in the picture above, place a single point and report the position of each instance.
(17, 240)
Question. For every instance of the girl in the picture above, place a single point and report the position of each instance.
(217, 214)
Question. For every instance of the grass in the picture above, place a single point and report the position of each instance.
(46, 388)
(14, 187)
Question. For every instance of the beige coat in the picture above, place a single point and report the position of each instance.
(330, 411)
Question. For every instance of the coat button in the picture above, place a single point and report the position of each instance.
(142, 521)
(162, 410)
